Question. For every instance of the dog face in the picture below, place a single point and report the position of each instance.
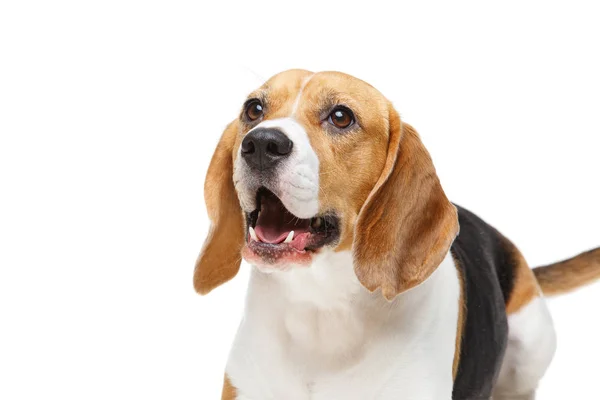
(321, 162)
(302, 162)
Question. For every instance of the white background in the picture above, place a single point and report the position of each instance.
(110, 111)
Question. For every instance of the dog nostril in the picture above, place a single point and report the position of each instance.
(286, 147)
(279, 147)
(272, 148)
(248, 147)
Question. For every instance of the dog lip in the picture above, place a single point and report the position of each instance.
(273, 248)
(276, 256)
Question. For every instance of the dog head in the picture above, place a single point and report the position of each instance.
(322, 162)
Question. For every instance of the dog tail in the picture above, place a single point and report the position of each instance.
(567, 275)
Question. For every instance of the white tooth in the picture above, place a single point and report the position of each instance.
(253, 234)
(289, 237)
(317, 222)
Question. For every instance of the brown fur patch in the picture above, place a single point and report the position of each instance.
(279, 93)
(229, 392)
(525, 286)
(407, 225)
(219, 260)
(462, 317)
(567, 275)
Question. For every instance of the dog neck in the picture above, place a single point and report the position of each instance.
(325, 317)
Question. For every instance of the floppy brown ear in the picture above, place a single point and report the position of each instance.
(407, 224)
(220, 258)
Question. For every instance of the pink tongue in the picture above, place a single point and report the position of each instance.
(299, 242)
(269, 234)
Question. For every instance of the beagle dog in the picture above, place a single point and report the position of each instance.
(367, 282)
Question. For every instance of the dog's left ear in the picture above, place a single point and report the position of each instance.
(407, 224)
(220, 258)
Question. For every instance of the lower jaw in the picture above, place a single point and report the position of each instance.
(275, 256)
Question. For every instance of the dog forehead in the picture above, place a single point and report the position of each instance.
(288, 80)
(299, 87)
(342, 83)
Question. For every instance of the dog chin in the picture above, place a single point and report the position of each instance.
(268, 258)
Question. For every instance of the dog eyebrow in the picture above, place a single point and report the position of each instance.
(333, 98)
(260, 94)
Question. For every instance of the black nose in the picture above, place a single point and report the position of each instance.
(263, 148)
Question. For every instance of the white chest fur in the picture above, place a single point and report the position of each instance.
(317, 334)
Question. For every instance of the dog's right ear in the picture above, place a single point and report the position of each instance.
(220, 258)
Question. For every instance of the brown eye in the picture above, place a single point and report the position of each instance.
(341, 118)
(254, 110)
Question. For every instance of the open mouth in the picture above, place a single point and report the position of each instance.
(275, 234)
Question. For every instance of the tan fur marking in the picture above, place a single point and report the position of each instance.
(567, 275)
(229, 392)
(219, 260)
(407, 224)
(525, 286)
(280, 93)
(462, 316)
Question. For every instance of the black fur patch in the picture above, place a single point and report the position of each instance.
(487, 270)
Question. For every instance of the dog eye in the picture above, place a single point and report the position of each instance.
(254, 110)
(341, 118)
